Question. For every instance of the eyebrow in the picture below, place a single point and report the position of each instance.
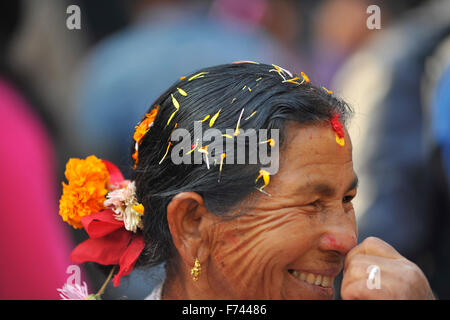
(354, 184)
(328, 190)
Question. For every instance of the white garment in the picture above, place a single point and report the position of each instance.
(156, 293)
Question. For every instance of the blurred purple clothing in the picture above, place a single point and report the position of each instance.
(34, 250)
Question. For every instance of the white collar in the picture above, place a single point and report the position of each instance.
(156, 293)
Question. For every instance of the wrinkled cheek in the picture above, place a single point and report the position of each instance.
(246, 271)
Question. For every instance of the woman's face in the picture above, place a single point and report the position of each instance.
(292, 244)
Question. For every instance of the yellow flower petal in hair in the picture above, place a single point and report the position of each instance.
(253, 113)
(214, 118)
(176, 104)
(280, 71)
(305, 78)
(205, 118)
(276, 69)
(237, 131)
(327, 91)
(270, 141)
(182, 92)
(167, 151)
(204, 150)
(222, 156)
(266, 178)
(198, 75)
(139, 208)
(293, 80)
(194, 146)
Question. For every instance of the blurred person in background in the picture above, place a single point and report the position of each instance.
(34, 245)
(384, 79)
(436, 108)
(45, 53)
(337, 32)
(281, 20)
(337, 28)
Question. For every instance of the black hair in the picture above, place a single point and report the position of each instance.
(228, 88)
(10, 18)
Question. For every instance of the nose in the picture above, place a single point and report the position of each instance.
(340, 240)
(339, 234)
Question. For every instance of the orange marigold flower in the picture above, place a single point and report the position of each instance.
(85, 191)
(142, 129)
(140, 132)
(145, 124)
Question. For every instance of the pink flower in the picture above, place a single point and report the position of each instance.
(124, 204)
(75, 292)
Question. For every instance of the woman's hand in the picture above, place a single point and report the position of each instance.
(393, 276)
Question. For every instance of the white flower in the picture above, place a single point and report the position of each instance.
(123, 202)
(131, 219)
(74, 292)
(114, 200)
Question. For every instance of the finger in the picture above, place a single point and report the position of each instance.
(358, 290)
(361, 266)
(354, 291)
(373, 246)
(356, 268)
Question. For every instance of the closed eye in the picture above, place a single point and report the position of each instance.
(315, 204)
(347, 199)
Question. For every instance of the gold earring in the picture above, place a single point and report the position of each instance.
(195, 271)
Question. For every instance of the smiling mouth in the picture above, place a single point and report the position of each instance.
(313, 279)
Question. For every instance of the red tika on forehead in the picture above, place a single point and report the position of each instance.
(337, 126)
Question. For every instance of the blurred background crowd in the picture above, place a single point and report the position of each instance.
(71, 93)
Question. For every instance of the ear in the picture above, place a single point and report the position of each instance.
(186, 215)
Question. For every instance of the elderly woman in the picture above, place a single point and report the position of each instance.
(241, 230)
